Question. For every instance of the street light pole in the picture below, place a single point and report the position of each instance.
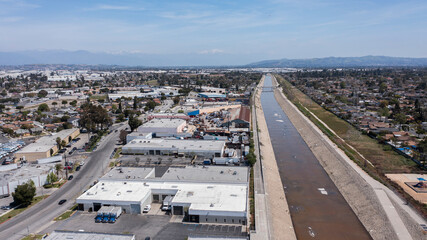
(66, 166)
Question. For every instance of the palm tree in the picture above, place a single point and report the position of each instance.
(58, 142)
(58, 168)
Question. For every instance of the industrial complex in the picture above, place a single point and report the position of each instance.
(46, 146)
(203, 194)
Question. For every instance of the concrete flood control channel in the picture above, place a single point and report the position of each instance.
(317, 208)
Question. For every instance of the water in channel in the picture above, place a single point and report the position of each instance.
(318, 209)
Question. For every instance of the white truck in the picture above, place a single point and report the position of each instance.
(166, 206)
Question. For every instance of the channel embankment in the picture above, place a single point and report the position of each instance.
(280, 223)
(356, 186)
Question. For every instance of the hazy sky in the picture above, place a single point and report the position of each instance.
(246, 30)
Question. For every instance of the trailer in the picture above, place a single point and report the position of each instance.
(103, 214)
(226, 161)
(114, 214)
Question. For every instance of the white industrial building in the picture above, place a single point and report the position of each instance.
(203, 194)
(178, 147)
(13, 175)
(163, 127)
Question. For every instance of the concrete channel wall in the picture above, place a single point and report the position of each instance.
(359, 194)
(272, 216)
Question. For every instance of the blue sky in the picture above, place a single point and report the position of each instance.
(245, 31)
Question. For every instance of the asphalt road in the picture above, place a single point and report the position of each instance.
(40, 216)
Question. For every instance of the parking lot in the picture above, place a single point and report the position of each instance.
(156, 226)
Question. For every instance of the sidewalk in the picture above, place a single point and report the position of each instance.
(262, 226)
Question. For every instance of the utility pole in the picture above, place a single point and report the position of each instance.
(66, 166)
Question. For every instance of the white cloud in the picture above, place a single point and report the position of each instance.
(10, 19)
(114, 8)
(211, 51)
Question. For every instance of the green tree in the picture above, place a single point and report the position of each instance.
(251, 158)
(150, 105)
(58, 168)
(135, 103)
(24, 194)
(383, 87)
(400, 118)
(42, 93)
(134, 122)
(73, 103)
(94, 117)
(43, 108)
(64, 102)
(176, 100)
(58, 142)
(51, 178)
(383, 103)
(123, 135)
(384, 112)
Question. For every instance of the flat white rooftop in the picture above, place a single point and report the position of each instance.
(116, 191)
(24, 172)
(162, 123)
(69, 235)
(45, 143)
(132, 173)
(203, 198)
(213, 199)
(175, 144)
(196, 173)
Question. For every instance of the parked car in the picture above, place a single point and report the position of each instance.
(147, 208)
(67, 167)
(62, 150)
(78, 168)
(5, 207)
(82, 163)
(62, 201)
(70, 177)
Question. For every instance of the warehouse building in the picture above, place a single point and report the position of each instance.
(168, 116)
(163, 127)
(207, 95)
(46, 146)
(177, 147)
(203, 194)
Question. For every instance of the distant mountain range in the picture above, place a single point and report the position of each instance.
(196, 59)
(122, 59)
(366, 61)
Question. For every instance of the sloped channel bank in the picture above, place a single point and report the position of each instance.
(318, 209)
